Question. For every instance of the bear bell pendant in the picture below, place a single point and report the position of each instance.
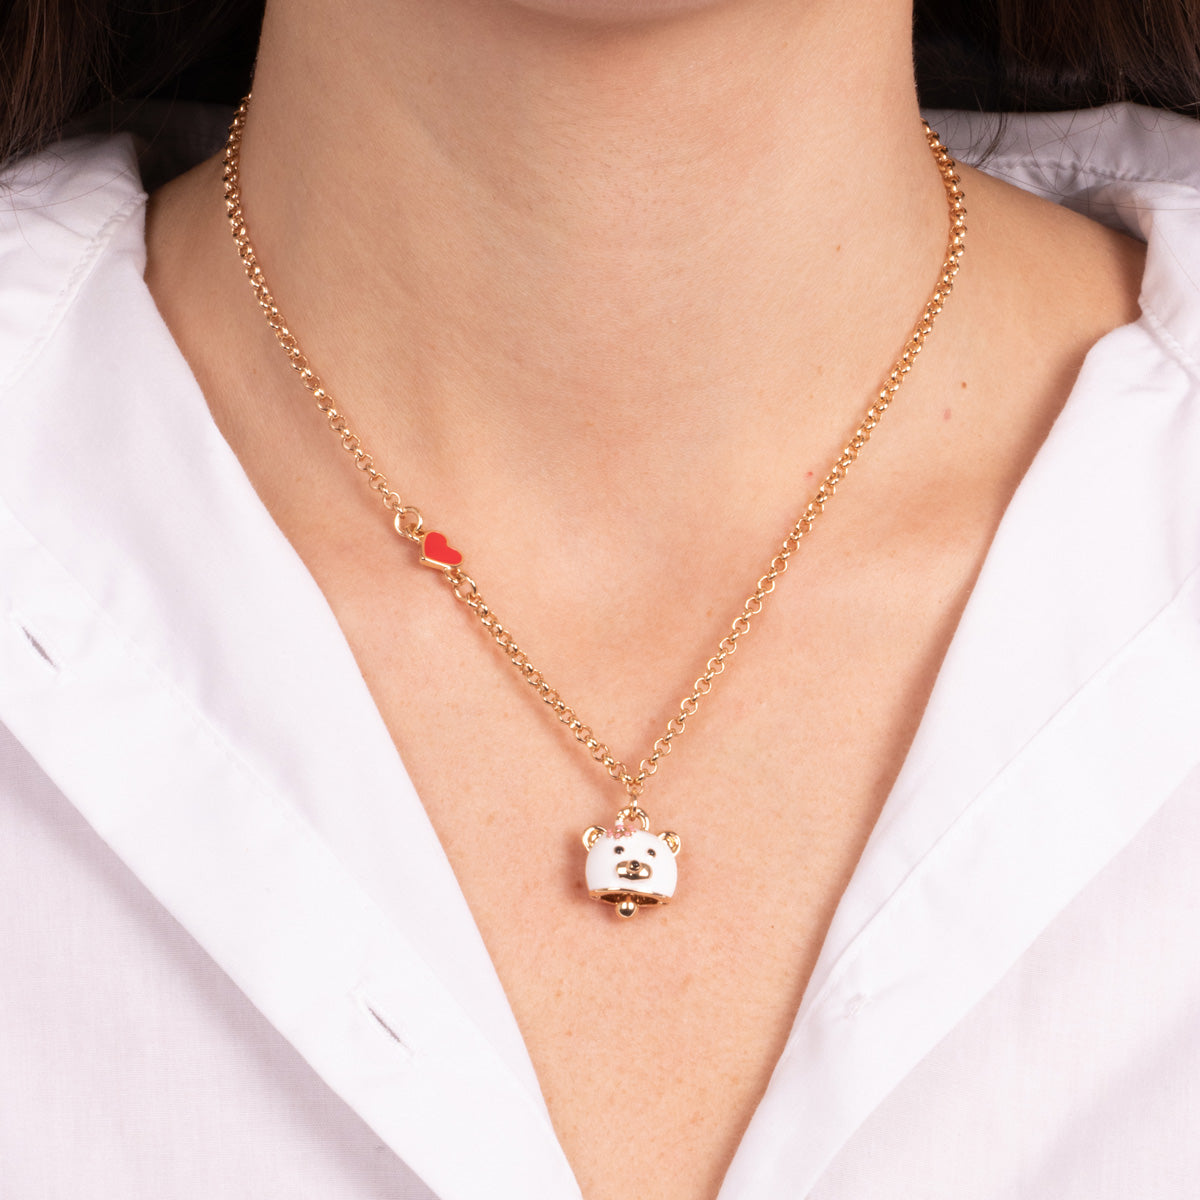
(630, 867)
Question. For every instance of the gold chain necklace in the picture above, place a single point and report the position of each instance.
(622, 867)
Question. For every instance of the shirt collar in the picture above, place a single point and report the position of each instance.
(202, 704)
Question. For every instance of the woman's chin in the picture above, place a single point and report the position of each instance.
(617, 11)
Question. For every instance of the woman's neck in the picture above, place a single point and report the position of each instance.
(578, 249)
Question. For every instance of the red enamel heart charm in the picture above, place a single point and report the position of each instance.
(437, 552)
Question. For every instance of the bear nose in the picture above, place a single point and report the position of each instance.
(632, 869)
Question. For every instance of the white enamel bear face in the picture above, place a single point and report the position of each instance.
(631, 868)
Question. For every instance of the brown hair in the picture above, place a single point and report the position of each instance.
(62, 58)
(1046, 55)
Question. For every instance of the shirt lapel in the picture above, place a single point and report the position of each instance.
(175, 670)
(1065, 714)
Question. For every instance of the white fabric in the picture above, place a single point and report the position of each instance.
(213, 981)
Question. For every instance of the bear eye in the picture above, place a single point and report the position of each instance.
(618, 849)
(652, 852)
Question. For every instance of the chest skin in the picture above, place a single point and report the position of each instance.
(656, 1036)
(659, 1033)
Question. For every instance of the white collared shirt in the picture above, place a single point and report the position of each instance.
(213, 984)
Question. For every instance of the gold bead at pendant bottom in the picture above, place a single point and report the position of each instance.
(627, 907)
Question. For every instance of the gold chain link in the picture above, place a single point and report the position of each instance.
(410, 524)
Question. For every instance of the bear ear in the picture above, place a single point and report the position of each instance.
(592, 835)
(672, 840)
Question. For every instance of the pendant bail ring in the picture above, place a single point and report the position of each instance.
(633, 812)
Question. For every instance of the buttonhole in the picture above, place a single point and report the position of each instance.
(387, 1026)
(39, 647)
